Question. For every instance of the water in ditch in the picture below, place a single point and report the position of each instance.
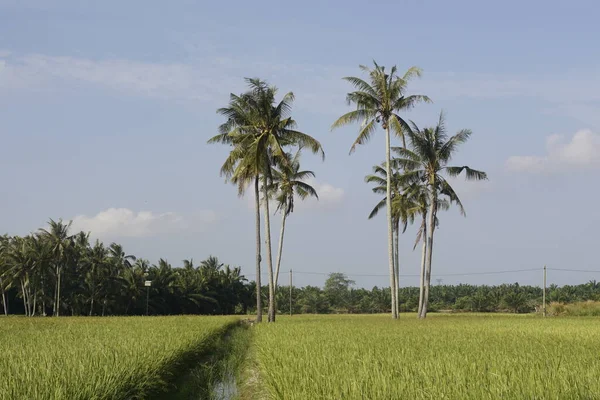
(215, 377)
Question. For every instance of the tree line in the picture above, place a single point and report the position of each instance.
(265, 147)
(339, 296)
(54, 272)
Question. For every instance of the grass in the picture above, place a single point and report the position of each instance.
(101, 358)
(462, 356)
(579, 309)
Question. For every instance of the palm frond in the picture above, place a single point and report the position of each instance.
(364, 135)
(353, 117)
(470, 174)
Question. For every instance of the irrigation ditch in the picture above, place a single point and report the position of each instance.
(214, 371)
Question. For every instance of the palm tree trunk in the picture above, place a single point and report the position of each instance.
(271, 316)
(24, 294)
(423, 255)
(280, 245)
(55, 291)
(258, 259)
(34, 304)
(43, 297)
(58, 293)
(4, 305)
(430, 229)
(388, 205)
(397, 265)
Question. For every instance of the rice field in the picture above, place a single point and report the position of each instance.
(101, 358)
(464, 356)
(443, 357)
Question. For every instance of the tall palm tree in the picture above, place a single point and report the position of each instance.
(426, 162)
(118, 257)
(288, 180)
(40, 261)
(57, 235)
(401, 205)
(97, 261)
(380, 101)
(238, 132)
(19, 268)
(4, 244)
(258, 128)
(418, 197)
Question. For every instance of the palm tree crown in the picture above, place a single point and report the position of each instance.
(380, 101)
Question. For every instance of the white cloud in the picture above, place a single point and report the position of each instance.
(329, 196)
(169, 80)
(467, 190)
(123, 222)
(580, 152)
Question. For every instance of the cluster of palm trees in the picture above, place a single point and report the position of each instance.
(259, 131)
(53, 272)
(265, 151)
(413, 181)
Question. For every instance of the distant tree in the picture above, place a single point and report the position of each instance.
(337, 290)
(515, 301)
(60, 242)
(313, 300)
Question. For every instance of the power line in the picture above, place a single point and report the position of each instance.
(574, 270)
(416, 275)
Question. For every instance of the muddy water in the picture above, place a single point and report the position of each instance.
(226, 389)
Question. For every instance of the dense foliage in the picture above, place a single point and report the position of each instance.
(53, 272)
(463, 297)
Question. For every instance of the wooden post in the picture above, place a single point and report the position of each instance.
(544, 292)
(290, 292)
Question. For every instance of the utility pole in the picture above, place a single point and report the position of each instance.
(544, 292)
(290, 292)
(147, 284)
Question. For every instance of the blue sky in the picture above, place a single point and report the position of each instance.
(105, 109)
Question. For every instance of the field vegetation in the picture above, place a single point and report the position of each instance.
(102, 358)
(465, 356)
(578, 309)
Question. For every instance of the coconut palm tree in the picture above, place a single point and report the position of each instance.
(380, 101)
(97, 261)
(426, 163)
(258, 128)
(19, 268)
(401, 205)
(288, 182)
(238, 132)
(60, 242)
(4, 245)
(418, 197)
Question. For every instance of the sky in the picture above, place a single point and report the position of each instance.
(106, 107)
